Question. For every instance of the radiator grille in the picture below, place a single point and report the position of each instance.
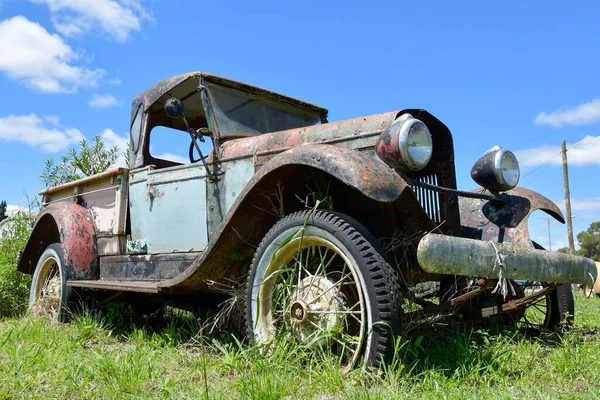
(430, 200)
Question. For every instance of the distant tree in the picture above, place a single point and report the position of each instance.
(3, 214)
(563, 250)
(92, 158)
(589, 242)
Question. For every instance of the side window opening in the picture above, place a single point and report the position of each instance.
(172, 145)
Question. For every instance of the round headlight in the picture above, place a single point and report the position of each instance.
(416, 145)
(497, 170)
(507, 168)
(406, 144)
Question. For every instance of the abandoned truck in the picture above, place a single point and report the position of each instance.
(346, 233)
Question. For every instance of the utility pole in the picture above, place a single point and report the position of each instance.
(567, 198)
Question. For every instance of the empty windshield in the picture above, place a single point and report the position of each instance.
(241, 114)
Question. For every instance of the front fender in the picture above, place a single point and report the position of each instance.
(246, 222)
(374, 179)
(504, 222)
(72, 226)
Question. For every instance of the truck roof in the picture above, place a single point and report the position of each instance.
(150, 96)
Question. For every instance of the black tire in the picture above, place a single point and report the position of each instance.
(562, 307)
(379, 285)
(560, 304)
(49, 295)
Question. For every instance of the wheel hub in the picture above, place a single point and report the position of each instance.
(298, 311)
(316, 308)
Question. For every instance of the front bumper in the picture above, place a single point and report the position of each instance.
(440, 254)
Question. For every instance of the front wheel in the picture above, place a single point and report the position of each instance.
(49, 294)
(320, 278)
(547, 313)
(551, 312)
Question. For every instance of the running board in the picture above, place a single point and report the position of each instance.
(126, 286)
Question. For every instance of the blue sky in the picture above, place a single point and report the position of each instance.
(523, 75)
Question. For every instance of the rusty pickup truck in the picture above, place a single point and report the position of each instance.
(346, 233)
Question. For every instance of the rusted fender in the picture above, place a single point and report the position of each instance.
(504, 222)
(245, 223)
(372, 178)
(72, 226)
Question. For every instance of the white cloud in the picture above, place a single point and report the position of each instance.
(584, 152)
(30, 54)
(581, 204)
(103, 101)
(173, 157)
(115, 81)
(31, 130)
(118, 18)
(113, 139)
(583, 114)
(52, 119)
(12, 209)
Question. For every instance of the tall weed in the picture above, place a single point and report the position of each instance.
(14, 285)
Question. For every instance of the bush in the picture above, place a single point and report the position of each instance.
(14, 285)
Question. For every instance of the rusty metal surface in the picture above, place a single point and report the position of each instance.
(148, 97)
(517, 303)
(280, 154)
(70, 225)
(440, 169)
(153, 267)
(264, 147)
(504, 222)
(125, 286)
(440, 254)
(246, 223)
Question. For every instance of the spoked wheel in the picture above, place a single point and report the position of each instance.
(322, 280)
(534, 317)
(549, 312)
(545, 313)
(49, 295)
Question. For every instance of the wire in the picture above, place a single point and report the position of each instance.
(550, 161)
(547, 162)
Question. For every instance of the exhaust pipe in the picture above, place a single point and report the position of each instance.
(440, 254)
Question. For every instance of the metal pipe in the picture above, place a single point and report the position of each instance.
(454, 192)
(441, 254)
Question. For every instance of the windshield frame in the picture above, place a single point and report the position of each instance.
(252, 91)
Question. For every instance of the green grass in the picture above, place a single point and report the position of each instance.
(96, 357)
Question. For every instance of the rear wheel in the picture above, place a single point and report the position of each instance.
(49, 294)
(321, 279)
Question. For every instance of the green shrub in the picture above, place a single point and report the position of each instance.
(14, 285)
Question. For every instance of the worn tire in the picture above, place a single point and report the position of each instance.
(561, 303)
(562, 307)
(378, 281)
(49, 295)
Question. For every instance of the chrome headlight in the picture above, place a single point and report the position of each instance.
(406, 144)
(497, 170)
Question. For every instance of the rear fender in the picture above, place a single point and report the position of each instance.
(72, 226)
(504, 222)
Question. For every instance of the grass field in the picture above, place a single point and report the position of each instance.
(93, 358)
